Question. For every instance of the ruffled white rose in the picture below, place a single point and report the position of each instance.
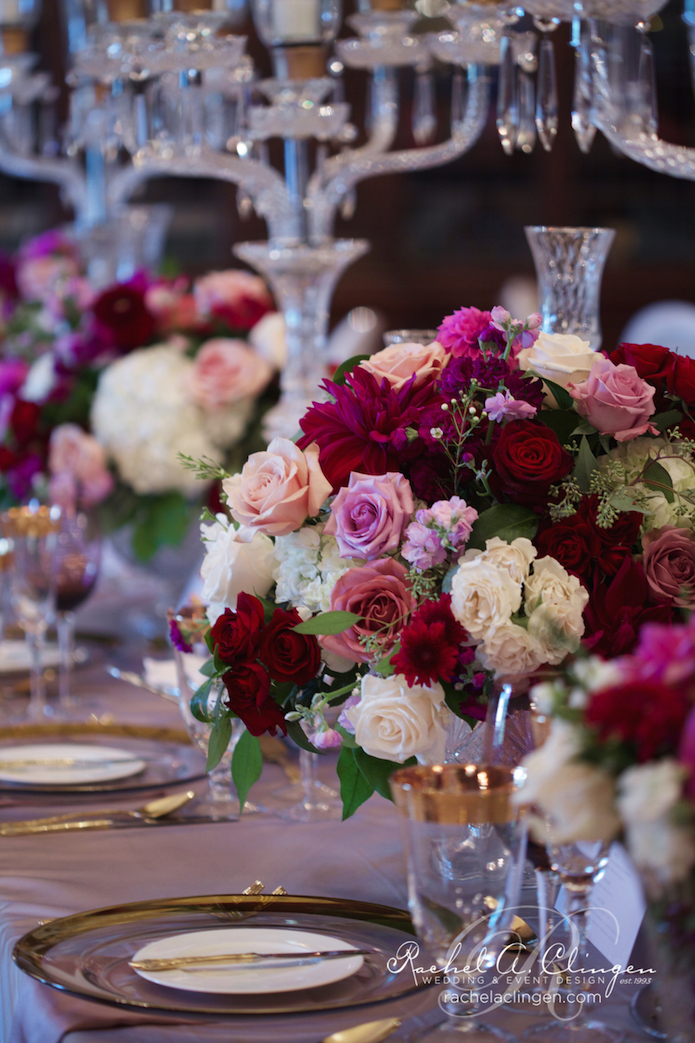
(394, 721)
(483, 596)
(560, 357)
(558, 627)
(515, 557)
(230, 567)
(511, 649)
(551, 582)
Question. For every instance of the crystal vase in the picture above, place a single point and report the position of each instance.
(302, 278)
(569, 265)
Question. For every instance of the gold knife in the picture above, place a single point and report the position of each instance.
(184, 962)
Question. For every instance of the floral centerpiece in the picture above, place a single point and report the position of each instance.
(619, 762)
(451, 515)
(100, 390)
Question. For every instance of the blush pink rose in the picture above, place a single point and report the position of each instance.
(226, 371)
(669, 565)
(77, 465)
(379, 594)
(369, 515)
(277, 490)
(615, 400)
(40, 278)
(399, 362)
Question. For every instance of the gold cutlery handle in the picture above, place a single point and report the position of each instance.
(22, 829)
(71, 816)
(172, 963)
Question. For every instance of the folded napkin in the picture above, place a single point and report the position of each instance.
(161, 673)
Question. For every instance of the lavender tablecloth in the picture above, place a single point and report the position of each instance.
(54, 875)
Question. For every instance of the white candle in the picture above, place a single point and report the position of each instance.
(295, 20)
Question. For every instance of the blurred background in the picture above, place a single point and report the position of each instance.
(451, 236)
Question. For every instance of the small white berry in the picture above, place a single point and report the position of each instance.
(436, 432)
(444, 406)
(472, 410)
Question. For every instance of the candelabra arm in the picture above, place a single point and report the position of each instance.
(63, 172)
(264, 185)
(325, 199)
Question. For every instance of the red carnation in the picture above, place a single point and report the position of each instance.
(440, 612)
(430, 643)
(528, 459)
(248, 688)
(288, 655)
(647, 715)
(616, 611)
(236, 635)
(122, 310)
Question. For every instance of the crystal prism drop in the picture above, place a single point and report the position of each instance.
(647, 82)
(424, 115)
(348, 204)
(507, 103)
(582, 125)
(244, 204)
(546, 100)
(526, 136)
(458, 100)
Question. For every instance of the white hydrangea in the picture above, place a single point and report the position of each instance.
(143, 417)
(309, 567)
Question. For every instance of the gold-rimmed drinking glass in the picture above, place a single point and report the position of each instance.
(465, 846)
(34, 533)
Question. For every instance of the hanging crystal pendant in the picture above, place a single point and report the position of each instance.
(348, 204)
(526, 136)
(647, 82)
(546, 98)
(507, 101)
(244, 204)
(424, 114)
(582, 125)
(458, 99)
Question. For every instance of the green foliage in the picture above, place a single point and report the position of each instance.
(247, 765)
(76, 407)
(160, 521)
(657, 477)
(296, 734)
(506, 520)
(584, 465)
(562, 396)
(199, 702)
(377, 771)
(668, 419)
(220, 735)
(354, 788)
(347, 367)
(328, 623)
(562, 421)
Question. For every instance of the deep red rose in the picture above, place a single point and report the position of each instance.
(122, 310)
(624, 530)
(573, 542)
(652, 362)
(528, 459)
(618, 609)
(243, 314)
(681, 380)
(248, 688)
(289, 656)
(237, 634)
(647, 715)
(611, 558)
(24, 421)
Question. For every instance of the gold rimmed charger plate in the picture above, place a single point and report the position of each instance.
(87, 954)
(170, 757)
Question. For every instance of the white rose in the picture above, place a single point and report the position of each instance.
(560, 357)
(230, 567)
(40, 380)
(558, 627)
(551, 582)
(648, 792)
(594, 673)
(562, 745)
(515, 557)
(661, 848)
(483, 596)
(509, 650)
(395, 722)
(269, 338)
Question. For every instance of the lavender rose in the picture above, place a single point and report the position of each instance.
(615, 400)
(379, 595)
(369, 515)
(669, 565)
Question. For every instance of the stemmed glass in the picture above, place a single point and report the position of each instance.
(466, 848)
(34, 532)
(316, 802)
(78, 556)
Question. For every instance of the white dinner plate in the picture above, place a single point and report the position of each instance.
(248, 978)
(106, 763)
(16, 656)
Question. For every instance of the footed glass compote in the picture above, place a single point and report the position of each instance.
(466, 849)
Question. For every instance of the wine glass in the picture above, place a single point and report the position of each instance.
(466, 849)
(34, 532)
(314, 801)
(579, 866)
(78, 556)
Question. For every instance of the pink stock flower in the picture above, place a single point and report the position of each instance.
(615, 400)
(327, 739)
(423, 547)
(343, 719)
(459, 332)
(502, 406)
(368, 515)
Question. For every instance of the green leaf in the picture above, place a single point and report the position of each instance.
(562, 396)
(208, 669)
(585, 428)
(160, 521)
(656, 477)
(668, 419)
(348, 738)
(506, 520)
(605, 441)
(328, 623)
(584, 465)
(354, 788)
(562, 421)
(220, 666)
(218, 742)
(296, 734)
(377, 771)
(347, 367)
(199, 702)
(623, 500)
(247, 765)
(385, 667)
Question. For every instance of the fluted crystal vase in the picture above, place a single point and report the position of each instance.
(569, 265)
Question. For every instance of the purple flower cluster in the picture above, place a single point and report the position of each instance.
(490, 373)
